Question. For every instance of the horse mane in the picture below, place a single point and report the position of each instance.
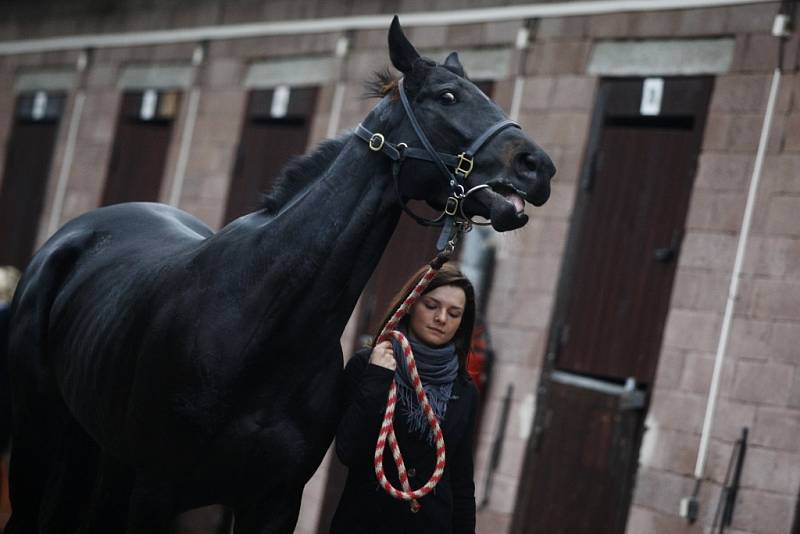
(299, 171)
(381, 84)
(384, 82)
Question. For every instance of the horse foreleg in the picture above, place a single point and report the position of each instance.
(276, 514)
(152, 506)
(108, 506)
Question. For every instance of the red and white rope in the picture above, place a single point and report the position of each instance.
(387, 434)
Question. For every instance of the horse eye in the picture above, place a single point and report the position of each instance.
(447, 98)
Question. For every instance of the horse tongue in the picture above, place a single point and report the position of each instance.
(516, 200)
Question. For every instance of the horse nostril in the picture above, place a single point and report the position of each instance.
(530, 162)
(526, 162)
(537, 163)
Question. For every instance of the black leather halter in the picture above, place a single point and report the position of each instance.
(462, 164)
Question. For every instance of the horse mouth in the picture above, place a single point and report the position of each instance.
(501, 203)
(512, 195)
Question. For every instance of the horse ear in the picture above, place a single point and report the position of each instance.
(401, 51)
(452, 62)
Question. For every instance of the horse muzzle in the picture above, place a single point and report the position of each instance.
(503, 199)
(534, 172)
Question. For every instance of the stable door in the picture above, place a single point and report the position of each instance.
(29, 154)
(612, 302)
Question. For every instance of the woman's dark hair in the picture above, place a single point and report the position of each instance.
(448, 275)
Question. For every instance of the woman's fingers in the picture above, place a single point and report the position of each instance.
(383, 355)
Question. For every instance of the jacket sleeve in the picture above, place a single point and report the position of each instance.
(462, 473)
(366, 388)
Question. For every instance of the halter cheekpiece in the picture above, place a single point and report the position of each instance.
(462, 164)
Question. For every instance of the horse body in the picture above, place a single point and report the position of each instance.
(194, 336)
(158, 366)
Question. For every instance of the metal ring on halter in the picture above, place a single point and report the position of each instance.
(464, 198)
(401, 150)
(376, 142)
(451, 207)
(453, 204)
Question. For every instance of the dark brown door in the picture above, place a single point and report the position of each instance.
(27, 167)
(588, 475)
(626, 260)
(141, 143)
(267, 143)
(612, 302)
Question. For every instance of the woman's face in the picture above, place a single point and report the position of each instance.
(436, 315)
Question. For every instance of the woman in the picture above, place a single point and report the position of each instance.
(439, 328)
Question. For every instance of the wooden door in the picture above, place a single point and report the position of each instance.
(28, 158)
(589, 475)
(141, 144)
(271, 135)
(612, 302)
(625, 263)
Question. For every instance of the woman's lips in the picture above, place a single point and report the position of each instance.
(440, 332)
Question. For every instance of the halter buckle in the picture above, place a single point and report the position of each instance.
(376, 142)
(451, 208)
(467, 163)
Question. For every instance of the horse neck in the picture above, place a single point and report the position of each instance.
(312, 258)
(346, 221)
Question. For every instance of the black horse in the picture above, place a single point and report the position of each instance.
(158, 366)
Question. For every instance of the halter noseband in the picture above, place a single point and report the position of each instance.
(462, 164)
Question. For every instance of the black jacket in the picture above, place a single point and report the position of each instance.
(365, 508)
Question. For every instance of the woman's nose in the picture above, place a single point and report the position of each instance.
(439, 317)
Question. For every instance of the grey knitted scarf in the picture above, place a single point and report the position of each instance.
(438, 368)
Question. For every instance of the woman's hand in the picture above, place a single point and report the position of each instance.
(383, 355)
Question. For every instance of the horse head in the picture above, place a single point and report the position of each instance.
(496, 167)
